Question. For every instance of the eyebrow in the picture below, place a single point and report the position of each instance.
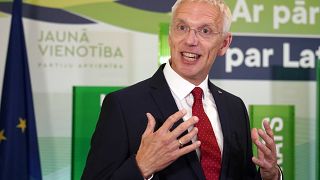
(202, 25)
(178, 20)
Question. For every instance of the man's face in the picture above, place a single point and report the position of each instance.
(193, 52)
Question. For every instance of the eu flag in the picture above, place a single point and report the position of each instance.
(19, 154)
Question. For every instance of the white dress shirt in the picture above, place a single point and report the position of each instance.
(181, 91)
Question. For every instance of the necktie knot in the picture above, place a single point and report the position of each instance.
(197, 93)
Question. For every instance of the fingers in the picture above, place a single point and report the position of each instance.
(269, 141)
(150, 126)
(268, 128)
(262, 150)
(266, 151)
(187, 149)
(188, 137)
(267, 136)
(262, 162)
(256, 140)
(184, 126)
(258, 162)
(163, 143)
(254, 134)
(171, 120)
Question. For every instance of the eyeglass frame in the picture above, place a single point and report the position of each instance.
(197, 31)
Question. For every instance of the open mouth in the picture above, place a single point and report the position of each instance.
(190, 56)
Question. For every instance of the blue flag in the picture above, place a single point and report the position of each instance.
(19, 154)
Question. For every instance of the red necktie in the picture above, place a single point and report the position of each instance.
(210, 157)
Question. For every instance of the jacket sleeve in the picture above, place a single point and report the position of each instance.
(109, 156)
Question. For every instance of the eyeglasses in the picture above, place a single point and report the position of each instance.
(204, 32)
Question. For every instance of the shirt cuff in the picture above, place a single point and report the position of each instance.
(280, 172)
(149, 178)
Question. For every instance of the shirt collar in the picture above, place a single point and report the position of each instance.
(180, 86)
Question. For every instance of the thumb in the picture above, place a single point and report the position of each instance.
(150, 126)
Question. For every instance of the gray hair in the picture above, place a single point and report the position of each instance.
(224, 9)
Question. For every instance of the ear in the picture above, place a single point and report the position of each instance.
(225, 44)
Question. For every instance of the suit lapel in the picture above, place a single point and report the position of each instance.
(194, 162)
(160, 92)
(162, 96)
(218, 95)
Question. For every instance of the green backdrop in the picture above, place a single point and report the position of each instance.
(86, 108)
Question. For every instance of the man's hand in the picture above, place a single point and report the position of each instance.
(267, 154)
(159, 149)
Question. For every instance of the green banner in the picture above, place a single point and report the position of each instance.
(86, 108)
(279, 17)
(281, 119)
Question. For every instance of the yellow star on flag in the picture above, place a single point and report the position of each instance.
(22, 124)
(2, 137)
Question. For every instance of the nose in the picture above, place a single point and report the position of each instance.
(192, 38)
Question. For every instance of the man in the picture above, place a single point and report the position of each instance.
(193, 129)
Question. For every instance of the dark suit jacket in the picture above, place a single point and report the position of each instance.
(123, 120)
